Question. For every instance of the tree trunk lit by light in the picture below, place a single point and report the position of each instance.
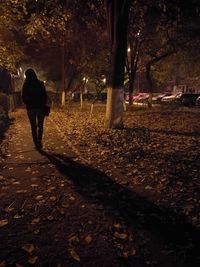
(132, 61)
(115, 107)
(117, 20)
(63, 75)
(81, 98)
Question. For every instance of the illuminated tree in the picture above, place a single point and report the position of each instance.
(117, 20)
(11, 52)
(68, 31)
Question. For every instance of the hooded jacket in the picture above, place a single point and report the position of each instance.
(33, 91)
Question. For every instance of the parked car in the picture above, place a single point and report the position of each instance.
(137, 97)
(172, 98)
(189, 99)
(133, 96)
(141, 97)
(159, 97)
(197, 103)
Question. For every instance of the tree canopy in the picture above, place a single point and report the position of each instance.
(37, 30)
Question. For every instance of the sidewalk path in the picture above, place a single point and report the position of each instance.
(24, 163)
(43, 220)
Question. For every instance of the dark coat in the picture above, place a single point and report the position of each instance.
(34, 94)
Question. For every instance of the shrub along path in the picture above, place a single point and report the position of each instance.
(96, 197)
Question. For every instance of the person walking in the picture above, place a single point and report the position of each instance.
(34, 96)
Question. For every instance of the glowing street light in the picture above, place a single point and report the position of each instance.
(85, 79)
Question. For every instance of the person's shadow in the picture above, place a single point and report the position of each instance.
(169, 227)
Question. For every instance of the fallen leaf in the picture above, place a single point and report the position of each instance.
(33, 259)
(74, 255)
(73, 239)
(39, 197)
(52, 188)
(189, 207)
(148, 187)
(133, 252)
(53, 198)
(34, 185)
(17, 182)
(121, 236)
(50, 218)
(62, 211)
(88, 239)
(28, 248)
(9, 209)
(125, 254)
(35, 221)
(3, 223)
(21, 191)
(17, 216)
(117, 225)
(65, 205)
(36, 232)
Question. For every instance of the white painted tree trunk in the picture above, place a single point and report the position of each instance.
(63, 98)
(81, 99)
(117, 22)
(114, 108)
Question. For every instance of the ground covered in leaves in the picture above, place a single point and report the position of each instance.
(129, 197)
(158, 151)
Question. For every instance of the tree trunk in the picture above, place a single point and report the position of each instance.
(63, 75)
(117, 19)
(148, 77)
(115, 107)
(81, 98)
(151, 63)
(150, 83)
(134, 54)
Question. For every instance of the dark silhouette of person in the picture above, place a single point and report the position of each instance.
(34, 97)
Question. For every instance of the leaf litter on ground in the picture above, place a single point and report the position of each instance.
(155, 155)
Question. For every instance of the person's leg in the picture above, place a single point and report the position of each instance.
(32, 119)
(40, 120)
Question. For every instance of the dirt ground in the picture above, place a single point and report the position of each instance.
(97, 197)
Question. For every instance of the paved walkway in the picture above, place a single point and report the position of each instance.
(35, 197)
(23, 160)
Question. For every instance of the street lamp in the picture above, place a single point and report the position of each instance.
(85, 79)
